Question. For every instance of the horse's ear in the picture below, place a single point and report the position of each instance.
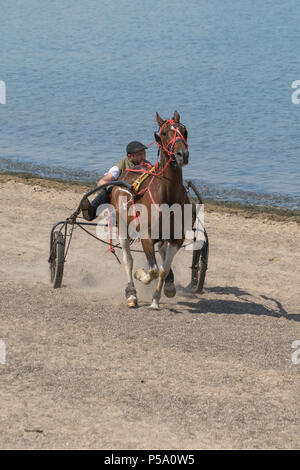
(159, 120)
(176, 117)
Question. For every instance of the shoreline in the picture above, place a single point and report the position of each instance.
(264, 212)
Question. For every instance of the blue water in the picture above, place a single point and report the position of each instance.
(85, 78)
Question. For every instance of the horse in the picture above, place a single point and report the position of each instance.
(163, 187)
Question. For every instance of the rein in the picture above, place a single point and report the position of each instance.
(176, 138)
(169, 149)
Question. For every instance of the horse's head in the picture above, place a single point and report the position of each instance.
(172, 138)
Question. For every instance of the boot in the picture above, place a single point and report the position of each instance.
(88, 211)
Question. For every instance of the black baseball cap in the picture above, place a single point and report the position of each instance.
(134, 147)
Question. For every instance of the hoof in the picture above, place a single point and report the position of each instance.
(132, 302)
(131, 297)
(170, 289)
(140, 275)
(155, 302)
(154, 306)
(144, 277)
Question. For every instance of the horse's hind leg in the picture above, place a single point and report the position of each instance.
(169, 286)
(163, 272)
(153, 273)
(130, 291)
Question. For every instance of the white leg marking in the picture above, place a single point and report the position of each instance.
(163, 272)
(127, 258)
(128, 264)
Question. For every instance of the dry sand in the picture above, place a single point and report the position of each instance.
(207, 371)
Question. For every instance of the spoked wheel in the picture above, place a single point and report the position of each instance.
(57, 259)
(199, 267)
(200, 256)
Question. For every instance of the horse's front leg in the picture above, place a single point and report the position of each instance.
(169, 286)
(163, 272)
(130, 291)
(147, 276)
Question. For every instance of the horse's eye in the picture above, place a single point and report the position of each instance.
(164, 134)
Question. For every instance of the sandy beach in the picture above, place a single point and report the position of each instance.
(208, 371)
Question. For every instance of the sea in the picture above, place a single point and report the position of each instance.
(81, 79)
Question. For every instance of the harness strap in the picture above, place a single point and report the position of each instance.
(154, 169)
(111, 248)
(173, 140)
(140, 179)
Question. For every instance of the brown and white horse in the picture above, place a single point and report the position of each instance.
(163, 187)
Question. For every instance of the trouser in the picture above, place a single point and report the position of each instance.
(89, 210)
(102, 198)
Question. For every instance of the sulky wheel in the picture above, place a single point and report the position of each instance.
(56, 259)
(200, 256)
(199, 267)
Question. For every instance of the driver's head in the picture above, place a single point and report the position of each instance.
(136, 152)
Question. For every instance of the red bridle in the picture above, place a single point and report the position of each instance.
(169, 148)
(170, 152)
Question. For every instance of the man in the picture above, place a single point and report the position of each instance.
(136, 155)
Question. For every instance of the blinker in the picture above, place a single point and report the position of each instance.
(157, 138)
